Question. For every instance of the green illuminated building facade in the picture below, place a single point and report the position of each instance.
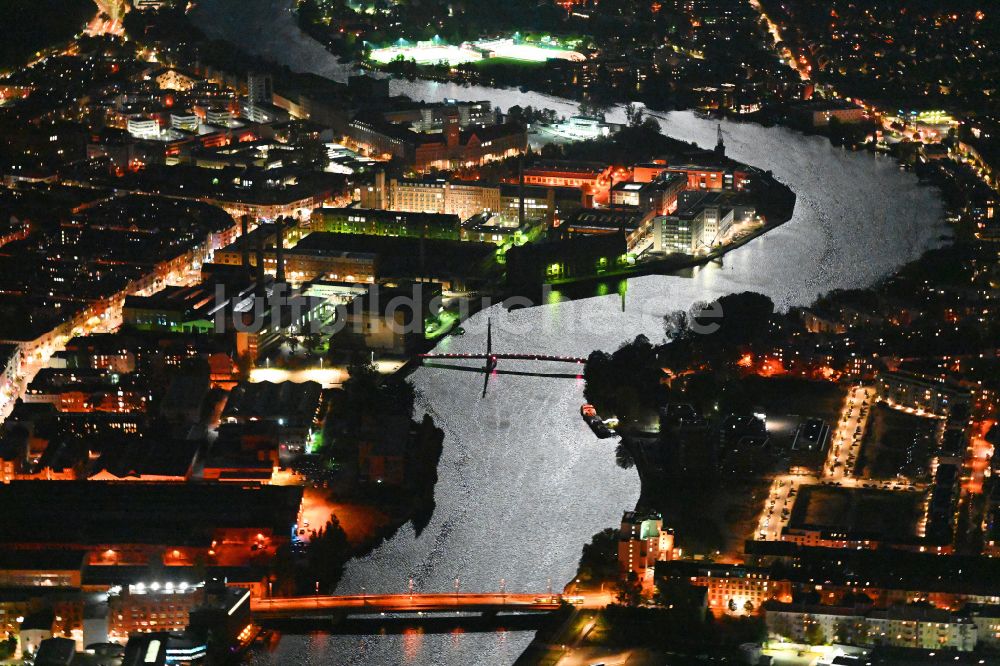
(569, 260)
(373, 222)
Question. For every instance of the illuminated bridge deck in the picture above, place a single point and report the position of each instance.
(288, 608)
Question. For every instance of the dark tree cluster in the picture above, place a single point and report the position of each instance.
(29, 27)
(708, 339)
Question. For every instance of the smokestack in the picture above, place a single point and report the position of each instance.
(423, 253)
(279, 251)
(520, 191)
(260, 288)
(244, 237)
(380, 193)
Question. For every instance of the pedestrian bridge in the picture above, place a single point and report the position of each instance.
(491, 359)
(290, 608)
(514, 357)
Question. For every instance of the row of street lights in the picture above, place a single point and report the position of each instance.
(411, 587)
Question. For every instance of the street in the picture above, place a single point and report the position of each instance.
(845, 442)
(842, 455)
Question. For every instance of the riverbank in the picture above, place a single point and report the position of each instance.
(674, 264)
(371, 416)
(521, 457)
(354, 520)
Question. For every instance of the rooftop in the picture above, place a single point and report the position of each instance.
(285, 401)
(99, 512)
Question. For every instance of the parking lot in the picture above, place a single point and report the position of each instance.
(845, 443)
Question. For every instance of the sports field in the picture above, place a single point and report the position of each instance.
(436, 51)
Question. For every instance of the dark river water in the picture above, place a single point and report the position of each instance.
(523, 483)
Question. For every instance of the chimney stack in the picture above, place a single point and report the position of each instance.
(260, 287)
(520, 191)
(381, 198)
(244, 237)
(279, 251)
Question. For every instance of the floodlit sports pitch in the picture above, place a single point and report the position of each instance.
(433, 52)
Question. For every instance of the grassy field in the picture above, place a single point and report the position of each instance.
(895, 442)
(879, 513)
(485, 65)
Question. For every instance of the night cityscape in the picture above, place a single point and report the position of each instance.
(536, 332)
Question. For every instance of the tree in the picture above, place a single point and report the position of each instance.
(625, 384)
(844, 632)
(780, 626)
(552, 151)
(675, 325)
(314, 154)
(361, 387)
(314, 341)
(650, 125)
(630, 590)
(745, 317)
(633, 115)
(814, 633)
(856, 598)
(681, 597)
(309, 12)
(7, 647)
(592, 108)
(599, 559)
(328, 551)
(244, 364)
(623, 457)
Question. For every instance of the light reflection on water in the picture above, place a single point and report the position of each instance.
(523, 483)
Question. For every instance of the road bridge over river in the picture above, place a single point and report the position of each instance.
(313, 607)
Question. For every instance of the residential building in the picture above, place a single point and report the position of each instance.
(819, 112)
(643, 541)
(732, 589)
(905, 626)
(922, 394)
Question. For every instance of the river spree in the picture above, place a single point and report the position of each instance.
(523, 482)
